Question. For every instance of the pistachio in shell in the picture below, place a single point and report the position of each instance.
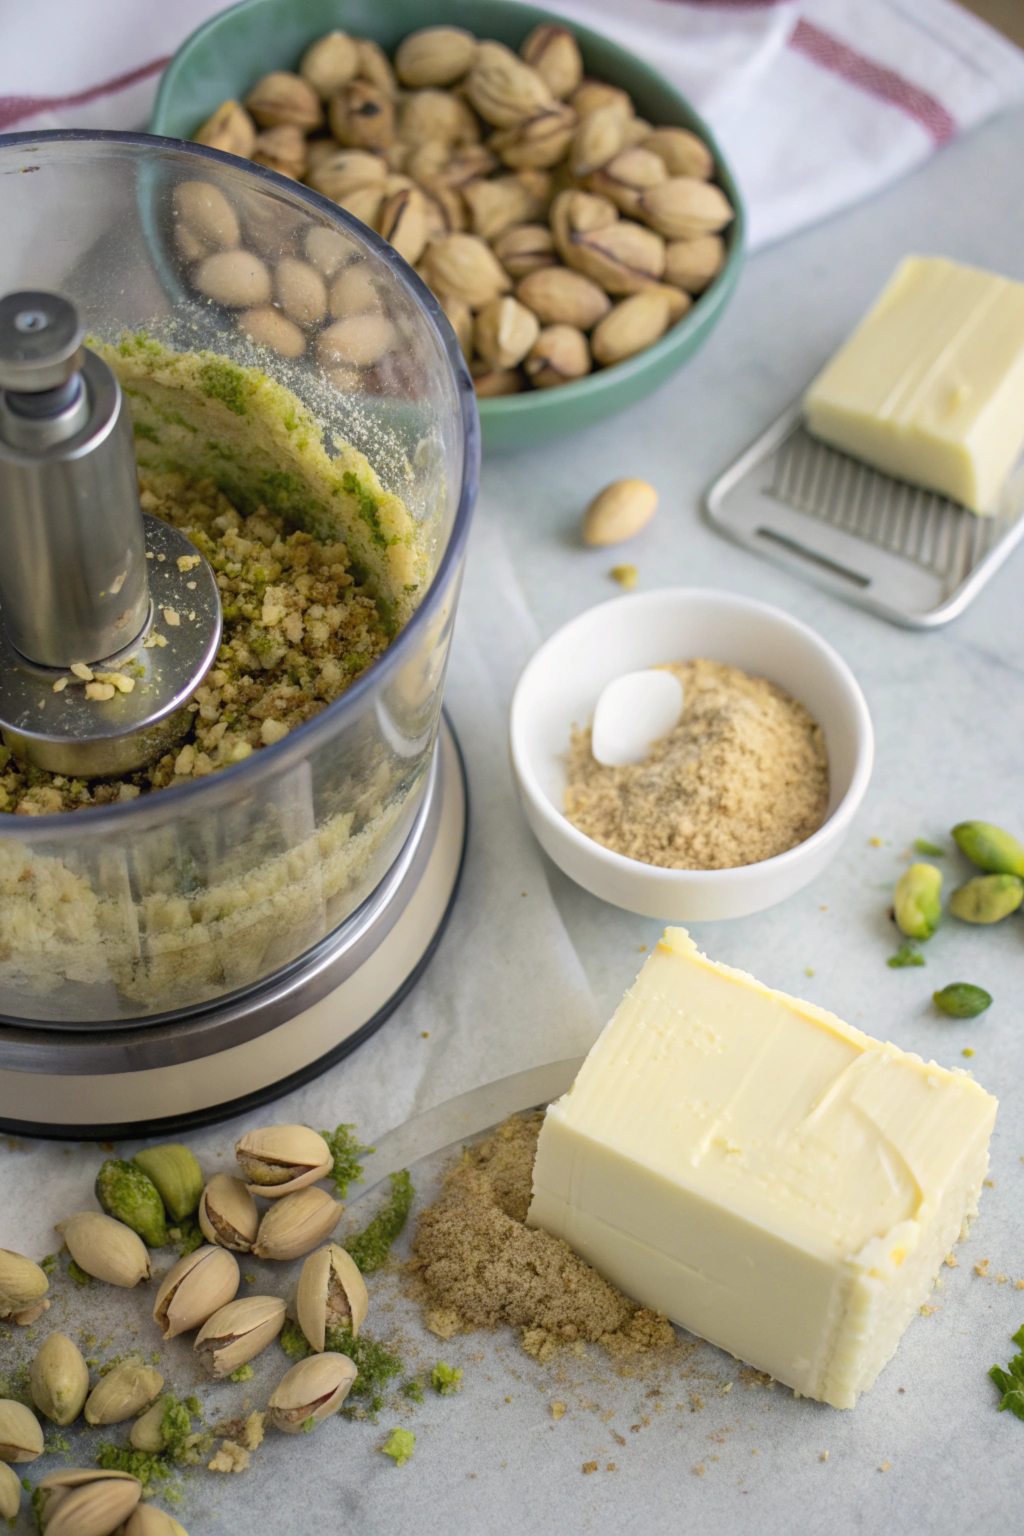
(460, 317)
(149, 1520)
(627, 176)
(194, 1289)
(540, 141)
(105, 1248)
(296, 1224)
(310, 1392)
(466, 267)
(592, 95)
(434, 56)
(23, 1285)
(693, 264)
(363, 116)
(21, 1435)
(683, 152)
(130, 1196)
(230, 129)
(283, 98)
(598, 138)
(574, 213)
(329, 63)
(331, 1294)
(554, 53)
(10, 1492)
(633, 325)
(559, 355)
(375, 66)
(123, 1392)
(492, 383)
(504, 89)
(403, 223)
(59, 1379)
(498, 204)
(559, 296)
(439, 116)
(525, 248)
(85, 1501)
(682, 208)
(623, 257)
(282, 149)
(504, 332)
(228, 1214)
(238, 1332)
(348, 170)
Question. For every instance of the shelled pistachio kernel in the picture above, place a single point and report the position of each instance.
(916, 902)
(176, 1174)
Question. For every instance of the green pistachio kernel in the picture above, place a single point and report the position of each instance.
(129, 1195)
(990, 847)
(961, 1000)
(177, 1176)
(987, 898)
(916, 904)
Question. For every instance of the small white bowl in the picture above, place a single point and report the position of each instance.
(560, 687)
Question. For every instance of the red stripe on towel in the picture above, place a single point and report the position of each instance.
(878, 81)
(14, 108)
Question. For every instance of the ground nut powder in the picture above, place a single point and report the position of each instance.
(742, 777)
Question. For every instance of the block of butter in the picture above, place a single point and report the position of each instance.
(765, 1175)
(930, 386)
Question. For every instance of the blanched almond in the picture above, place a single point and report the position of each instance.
(619, 512)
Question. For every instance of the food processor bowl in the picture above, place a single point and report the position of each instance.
(172, 956)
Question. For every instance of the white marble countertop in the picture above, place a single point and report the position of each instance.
(948, 710)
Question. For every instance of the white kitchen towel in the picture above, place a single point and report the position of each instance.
(816, 103)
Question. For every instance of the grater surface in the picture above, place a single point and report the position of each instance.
(910, 555)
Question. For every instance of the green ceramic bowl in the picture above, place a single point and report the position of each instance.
(225, 57)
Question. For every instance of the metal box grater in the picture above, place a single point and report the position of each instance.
(912, 556)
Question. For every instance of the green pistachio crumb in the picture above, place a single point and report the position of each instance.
(49, 1264)
(905, 955)
(930, 850)
(346, 1151)
(293, 1341)
(369, 1251)
(77, 1274)
(1011, 1380)
(413, 1390)
(446, 1378)
(401, 1445)
(243, 1373)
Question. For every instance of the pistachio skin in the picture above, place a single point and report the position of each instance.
(987, 898)
(130, 1196)
(988, 846)
(916, 904)
(961, 1000)
(10, 1492)
(22, 1283)
(21, 1435)
(59, 1379)
(176, 1174)
(123, 1392)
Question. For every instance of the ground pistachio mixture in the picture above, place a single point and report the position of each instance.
(299, 628)
(476, 1264)
(742, 777)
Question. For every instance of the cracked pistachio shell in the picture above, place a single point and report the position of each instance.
(123, 1392)
(555, 55)
(197, 1287)
(148, 1520)
(105, 1248)
(683, 152)
(683, 208)
(10, 1492)
(916, 904)
(176, 1174)
(21, 1435)
(310, 1392)
(623, 257)
(59, 1379)
(465, 267)
(296, 1224)
(22, 1283)
(283, 98)
(230, 129)
(228, 1214)
(83, 1501)
(504, 89)
(505, 331)
(239, 1331)
(331, 1294)
(560, 353)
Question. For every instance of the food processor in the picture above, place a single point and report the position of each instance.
(178, 955)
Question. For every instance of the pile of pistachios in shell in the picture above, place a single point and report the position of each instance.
(144, 1201)
(985, 899)
(559, 231)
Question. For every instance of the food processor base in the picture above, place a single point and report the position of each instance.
(170, 1075)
